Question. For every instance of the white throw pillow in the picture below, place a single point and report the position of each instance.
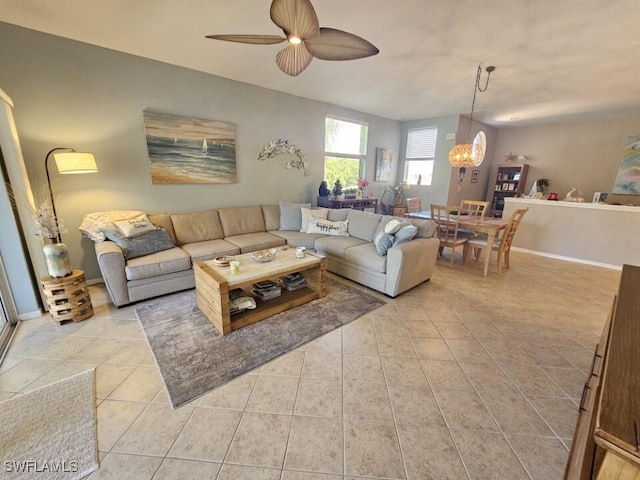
(318, 225)
(392, 227)
(132, 227)
(308, 214)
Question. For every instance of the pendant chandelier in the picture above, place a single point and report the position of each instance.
(470, 154)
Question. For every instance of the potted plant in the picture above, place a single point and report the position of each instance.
(350, 192)
(337, 190)
(398, 190)
(362, 184)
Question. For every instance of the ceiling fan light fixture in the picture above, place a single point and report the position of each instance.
(299, 23)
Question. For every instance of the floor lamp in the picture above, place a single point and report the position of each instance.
(68, 162)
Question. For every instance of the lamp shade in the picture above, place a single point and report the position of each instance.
(466, 155)
(75, 162)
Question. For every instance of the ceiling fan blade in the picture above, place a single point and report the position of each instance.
(295, 17)
(334, 44)
(293, 59)
(254, 39)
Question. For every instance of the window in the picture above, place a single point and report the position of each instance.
(481, 139)
(420, 155)
(345, 148)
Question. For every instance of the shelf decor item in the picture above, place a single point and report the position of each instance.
(283, 147)
(56, 257)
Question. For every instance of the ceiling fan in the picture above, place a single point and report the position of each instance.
(307, 40)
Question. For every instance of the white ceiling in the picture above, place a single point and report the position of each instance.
(555, 59)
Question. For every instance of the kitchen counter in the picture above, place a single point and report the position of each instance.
(593, 233)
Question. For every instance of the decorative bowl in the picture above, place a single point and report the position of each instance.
(264, 256)
(222, 261)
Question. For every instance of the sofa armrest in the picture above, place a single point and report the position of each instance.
(111, 262)
(410, 264)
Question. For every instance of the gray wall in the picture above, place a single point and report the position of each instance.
(584, 155)
(76, 95)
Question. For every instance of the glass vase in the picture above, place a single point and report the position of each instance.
(56, 257)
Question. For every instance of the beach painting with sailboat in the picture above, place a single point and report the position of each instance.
(190, 150)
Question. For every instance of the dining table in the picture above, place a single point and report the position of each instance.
(491, 226)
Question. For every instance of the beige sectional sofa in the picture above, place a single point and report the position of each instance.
(200, 236)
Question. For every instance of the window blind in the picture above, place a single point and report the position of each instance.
(421, 142)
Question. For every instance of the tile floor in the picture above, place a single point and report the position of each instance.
(462, 377)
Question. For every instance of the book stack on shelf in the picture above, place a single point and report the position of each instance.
(266, 290)
(240, 301)
(293, 281)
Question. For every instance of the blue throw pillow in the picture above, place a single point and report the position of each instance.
(383, 242)
(405, 234)
(133, 247)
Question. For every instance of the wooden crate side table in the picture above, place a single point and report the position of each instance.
(67, 297)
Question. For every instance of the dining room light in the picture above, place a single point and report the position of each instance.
(470, 154)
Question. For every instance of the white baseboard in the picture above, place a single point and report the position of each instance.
(30, 315)
(567, 259)
(94, 281)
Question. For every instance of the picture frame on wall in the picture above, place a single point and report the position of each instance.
(626, 182)
(475, 174)
(384, 162)
(188, 150)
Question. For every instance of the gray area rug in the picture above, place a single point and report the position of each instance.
(50, 432)
(194, 358)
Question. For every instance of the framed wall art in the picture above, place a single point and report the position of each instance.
(383, 165)
(187, 150)
(627, 180)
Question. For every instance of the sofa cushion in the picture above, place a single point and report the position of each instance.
(338, 214)
(141, 245)
(336, 246)
(251, 242)
(366, 257)
(271, 214)
(160, 263)
(363, 225)
(196, 226)
(203, 251)
(291, 215)
(426, 228)
(299, 239)
(392, 227)
(311, 214)
(164, 220)
(241, 220)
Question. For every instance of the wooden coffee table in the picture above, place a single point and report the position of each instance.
(213, 284)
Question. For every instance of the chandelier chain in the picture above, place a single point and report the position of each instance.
(477, 89)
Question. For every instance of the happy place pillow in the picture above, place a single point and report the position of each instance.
(327, 227)
(309, 214)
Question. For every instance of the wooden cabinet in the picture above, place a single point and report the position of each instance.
(353, 203)
(509, 182)
(606, 444)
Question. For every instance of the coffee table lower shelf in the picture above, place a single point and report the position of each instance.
(212, 295)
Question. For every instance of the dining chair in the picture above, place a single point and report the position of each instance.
(501, 244)
(414, 205)
(449, 229)
(477, 208)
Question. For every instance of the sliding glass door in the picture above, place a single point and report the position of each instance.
(8, 315)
